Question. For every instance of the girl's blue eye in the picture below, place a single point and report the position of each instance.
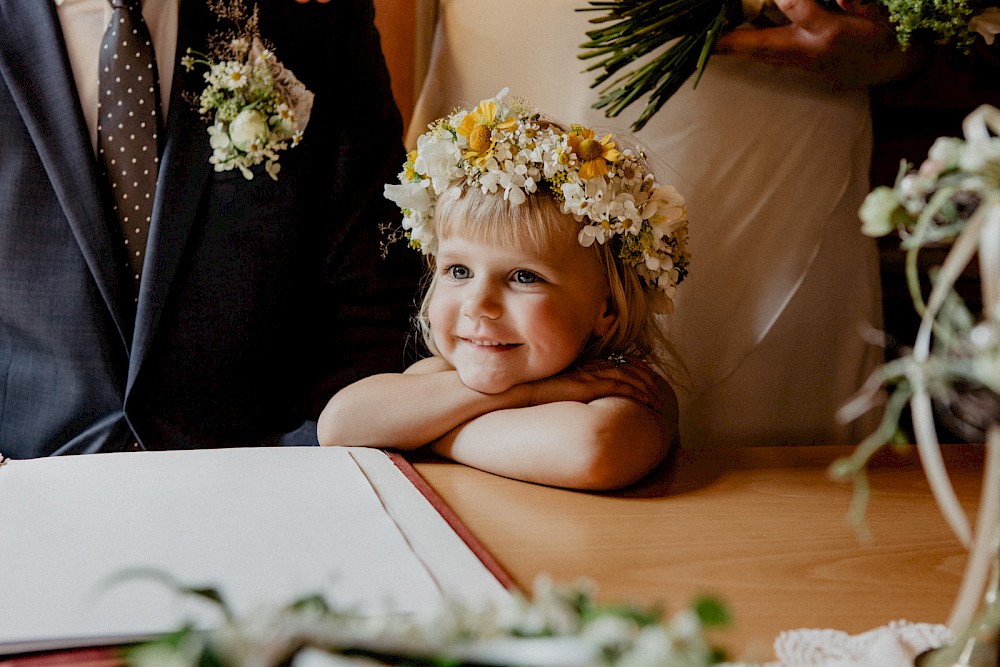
(526, 277)
(458, 272)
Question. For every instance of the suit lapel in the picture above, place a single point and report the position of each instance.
(34, 63)
(184, 171)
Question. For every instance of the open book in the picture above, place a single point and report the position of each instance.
(87, 542)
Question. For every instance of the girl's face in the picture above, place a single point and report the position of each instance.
(506, 315)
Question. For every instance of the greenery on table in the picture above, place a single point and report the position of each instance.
(556, 626)
(651, 47)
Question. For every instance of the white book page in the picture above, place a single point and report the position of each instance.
(263, 525)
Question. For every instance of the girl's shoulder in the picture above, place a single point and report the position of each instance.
(429, 365)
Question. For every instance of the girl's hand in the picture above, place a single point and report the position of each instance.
(627, 377)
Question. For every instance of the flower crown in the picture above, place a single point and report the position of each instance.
(507, 150)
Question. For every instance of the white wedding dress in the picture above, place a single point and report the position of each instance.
(772, 322)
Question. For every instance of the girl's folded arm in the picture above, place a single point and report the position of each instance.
(604, 444)
(415, 408)
(407, 410)
(401, 410)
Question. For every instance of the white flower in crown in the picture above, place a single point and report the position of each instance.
(258, 107)
(438, 156)
(509, 151)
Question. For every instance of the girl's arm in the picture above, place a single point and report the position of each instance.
(603, 444)
(412, 409)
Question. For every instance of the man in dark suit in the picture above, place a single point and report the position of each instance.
(258, 299)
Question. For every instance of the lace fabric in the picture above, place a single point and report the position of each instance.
(892, 645)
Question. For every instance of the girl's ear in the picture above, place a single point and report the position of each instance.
(607, 319)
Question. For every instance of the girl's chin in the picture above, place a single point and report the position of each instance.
(486, 383)
(487, 386)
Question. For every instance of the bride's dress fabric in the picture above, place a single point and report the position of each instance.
(784, 290)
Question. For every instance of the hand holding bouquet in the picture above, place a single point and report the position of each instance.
(651, 47)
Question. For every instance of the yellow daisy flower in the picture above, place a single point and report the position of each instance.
(408, 168)
(477, 127)
(594, 154)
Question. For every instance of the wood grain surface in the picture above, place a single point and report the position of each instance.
(763, 529)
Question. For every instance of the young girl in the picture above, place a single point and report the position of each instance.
(550, 252)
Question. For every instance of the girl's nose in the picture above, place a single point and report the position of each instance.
(482, 301)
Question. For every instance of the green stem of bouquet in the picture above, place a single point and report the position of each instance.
(640, 28)
(854, 466)
(632, 37)
(913, 281)
(927, 232)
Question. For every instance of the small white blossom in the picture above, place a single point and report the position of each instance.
(515, 195)
(981, 154)
(591, 233)
(283, 116)
(438, 157)
(233, 75)
(665, 201)
(218, 137)
(653, 647)
(944, 154)
(413, 196)
(877, 211)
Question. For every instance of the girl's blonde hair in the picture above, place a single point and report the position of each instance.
(539, 223)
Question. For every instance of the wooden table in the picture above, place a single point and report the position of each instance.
(763, 529)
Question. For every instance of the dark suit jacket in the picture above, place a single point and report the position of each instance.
(259, 299)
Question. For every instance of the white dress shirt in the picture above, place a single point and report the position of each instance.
(83, 24)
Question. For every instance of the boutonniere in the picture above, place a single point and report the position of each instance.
(256, 106)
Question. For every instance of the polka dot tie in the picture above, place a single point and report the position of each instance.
(128, 113)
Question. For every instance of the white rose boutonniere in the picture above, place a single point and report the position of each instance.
(258, 107)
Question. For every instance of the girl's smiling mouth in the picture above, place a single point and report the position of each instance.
(486, 343)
